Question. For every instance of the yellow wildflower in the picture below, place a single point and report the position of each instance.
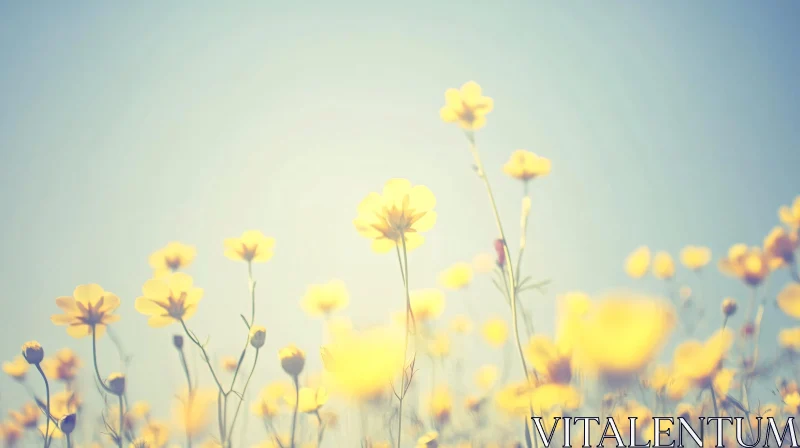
(461, 324)
(791, 403)
(89, 309)
(638, 262)
(311, 399)
(10, 433)
(780, 246)
(790, 215)
(228, 363)
(427, 304)
(428, 440)
(64, 366)
(722, 382)
(325, 299)
(64, 403)
(439, 345)
(495, 332)
(790, 339)
(27, 417)
(663, 266)
(252, 246)
(486, 377)
(292, 360)
(525, 165)
(193, 414)
(167, 300)
(695, 257)
(440, 405)
(552, 360)
(698, 361)
(456, 276)
(729, 307)
(16, 368)
(789, 300)
(155, 433)
(172, 257)
(748, 264)
(467, 107)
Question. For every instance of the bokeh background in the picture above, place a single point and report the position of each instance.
(124, 127)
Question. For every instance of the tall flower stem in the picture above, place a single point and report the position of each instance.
(406, 382)
(244, 390)
(296, 407)
(47, 413)
(121, 420)
(190, 396)
(320, 428)
(94, 359)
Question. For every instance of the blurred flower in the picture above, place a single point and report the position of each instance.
(722, 382)
(67, 423)
(440, 405)
(780, 245)
(169, 299)
(790, 215)
(428, 440)
(695, 257)
(64, 366)
(525, 165)
(791, 403)
(139, 410)
(638, 262)
(495, 332)
(258, 336)
(292, 360)
(116, 383)
(748, 264)
(402, 211)
(456, 276)
(172, 257)
(483, 263)
(229, 363)
(90, 308)
(500, 250)
(472, 403)
(729, 307)
(27, 417)
(519, 398)
(311, 399)
(10, 433)
(252, 246)
(552, 360)
(789, 338)
(54, 433)
(467, 107)
(643, 417)
(33, 352)
(268, 403)
(16, 368)
(325, 299)
(789, 300)
(193, 415)
(461, 324)
(620, 336)
(64, 403)
(439, 345)
(698, 361)
(663, 266)
(486, 377)
(427, 304)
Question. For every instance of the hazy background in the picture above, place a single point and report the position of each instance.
(123, 127)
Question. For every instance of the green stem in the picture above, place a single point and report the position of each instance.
(320, 429)
(714, 400)
(121, 420)
(296, 406)
(69, 441)
(244, 390)
(206, 358)
(409, 313)
(94, 359)
(47, 413)
(190, 394)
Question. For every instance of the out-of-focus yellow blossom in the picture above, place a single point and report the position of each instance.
(677, 387)
(172, 257)
(699, 361)
(268, 403)
(90, 308)
(64, 366)
(791, 403)
(169, 299)
(339, 325)
(427, 304)
(486, 377)
(789, 338)
(228, 363)
(467, 107)
(663, 266)
(326, 298)
(658, 379)
(519, 398)
(311, 399)
(10, 433)
(441, 405)
(638, 262)
(780, 246)
(27, 417)
(428, 440)
(278, 441)
(789, 300)
(64, 403)
(553, 360)
(155, 433)
(695, 257)
(643, 419)
(729, 307)
(139, 410)
(252, 247)
(790, 215)
(525, 165)
(16, 368)
(461, 324)
(193, 415)
(619, 336)
(472, 403)
(456, 276)
(402, 211)
(722, 382)
(495, 332)
(484, 263)
(361, 365)
(439, 345)
(748, 264)
(55, 432)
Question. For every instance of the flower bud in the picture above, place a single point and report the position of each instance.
(729, 307)
(33, 352)
(499, 247)
(67, 423)
(258, 335)
(116, 383)
(292, 360)
(748, 329)
(177, 341)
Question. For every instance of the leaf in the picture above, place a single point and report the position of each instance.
(736, 403)
(527, 436)
(245, 321)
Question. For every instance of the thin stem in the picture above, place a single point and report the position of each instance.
(296, 406)
(190, 393)
(714, 399)
(47, 413)
(69, 441)
(320, 428)
(244, 390)
(94, 358)
(121, 420)
(252, 285)
(206, 358)
(405, 384)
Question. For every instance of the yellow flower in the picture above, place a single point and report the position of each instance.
(486, 377)
(790, 339)
(167, 300)
(325, 299)
(16, 368)
(461, 324)
(643, 419)
(361, 365)
(791, 403)
(695, 257)
(155, 433)
(27, 417)
(33, 352)
(439, 345)
(722, 382)
(484, 263)
(427, 304)
(89, 309)
(428, 440)
(311, 399)
(54, 433)
(789, 300)
(495, 332)
(525, 165)
(780, 245)
(440, 405)
(638, 262)
(402, 211)
(620, 336)
(229, 363)
(663, 266)
(172, 257)
(729, 307)
(64, 403)
(456, 276)
(698, 361)
(268, 404)
(63, 367)
(252, 246)
(790, 215)
(467, 107)
(519, 398)
(192, 414)
(10, 433)
(116, 383)
(748, 264)
(292, 360)
(552, 360)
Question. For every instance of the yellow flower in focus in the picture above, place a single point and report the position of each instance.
(620, 336)
(790, 339)
(695, 257)
(484, 263)
(748, 264)
(325, 299)
(789, 300)
(790, 215)
(456, 276)
(486, 377)
(27, 417)
(638, 262)
(169, 299)
(195, 418)
(495, 332)
(467, 107)
(155, 433)
(525, 165)
(89, 309)
(698, 361)
(663, 266)
(172, 257)
(780, 246)
(400, 214)
(428, 440)
(16, 368)
(439, 345)
(461, 324)
(311, 399)
(440, 405)
(427, 304)
(64, 366)
(252, 246)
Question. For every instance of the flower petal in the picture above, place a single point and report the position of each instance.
(88, 293)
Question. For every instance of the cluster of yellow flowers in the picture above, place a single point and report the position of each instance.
(608, 348)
